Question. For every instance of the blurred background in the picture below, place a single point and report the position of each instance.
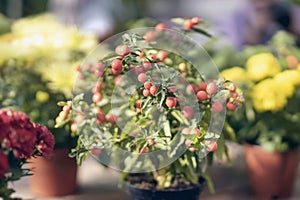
(236, 23)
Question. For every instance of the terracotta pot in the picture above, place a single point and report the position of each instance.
(54, 176)
(272, 174)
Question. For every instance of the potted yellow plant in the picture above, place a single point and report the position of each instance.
(38, 62)
(269, 121)
(150, 103)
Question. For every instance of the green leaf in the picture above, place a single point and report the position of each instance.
(167, 129)
(229, 131)
(177, 20)
(200, 30)
(209, 182)
(122, 179)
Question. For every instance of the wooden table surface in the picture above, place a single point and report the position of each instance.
(99, 183)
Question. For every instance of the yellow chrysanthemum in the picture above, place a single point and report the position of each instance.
(261, 66)
(47, 35)
(288, 80)
(266, 96)
(61, 76)
(298, 68)
(10, 50)
(235, 74)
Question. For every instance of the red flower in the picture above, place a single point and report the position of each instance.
(3, 164)
(45, 140)
(22, 136)
(18, 133)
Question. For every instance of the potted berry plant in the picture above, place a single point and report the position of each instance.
(268, 123)
(38, 64)
(151, 104)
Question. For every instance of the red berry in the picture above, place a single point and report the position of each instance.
(97, 97)
(58, 120)
(67, 108)
(198, 132)
(153, 90)
(162, 55)
(138, 103)
(179, 99)
(63, 115)
(112, 118)
(122, 50)
(212, 146)
(150, 36)
(182, 67)
(292, 62)
(173, 89)
(217, 107)
(191, 88)
(139, 70)
(201, 95)
(230, 106)
(118, 80)
(142, 77)
(202, 85)
(98, 73)
(188, 24)
(231, 87)
(97, 110)
(147, 85)
(188, 143)
(146, 93)
(95, 151)
(73, 127)
(151, 142)
(212, 88)
(143, 150)
(97, 87)
(160, 27)
(234, 95)
(195, 20)
(78, 68)
(116, 64)
(100, 118)
(147, 65)
(100, 67)
(171, 102)
(188, 112)
(116, 71)
(152, 57)
(141, 53)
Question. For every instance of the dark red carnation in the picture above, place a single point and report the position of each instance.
(19, 134)
(3, 164)
(45, 140)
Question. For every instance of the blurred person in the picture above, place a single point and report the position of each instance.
(90, 16)
(257, 22)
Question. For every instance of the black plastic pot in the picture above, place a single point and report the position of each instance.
(136, 193)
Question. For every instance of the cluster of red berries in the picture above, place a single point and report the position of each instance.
(234, 100)
(85, 71)
(63, 114)
(190, 23)
(210, 146)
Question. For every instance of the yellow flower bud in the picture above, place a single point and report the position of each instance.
(42, 97)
